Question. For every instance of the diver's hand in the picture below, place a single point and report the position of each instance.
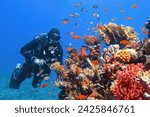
(39, 62)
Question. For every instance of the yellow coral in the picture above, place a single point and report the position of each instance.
(131, 34)
(123, 56)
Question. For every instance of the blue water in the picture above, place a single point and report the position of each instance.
(20, 20)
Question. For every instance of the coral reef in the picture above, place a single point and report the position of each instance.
(121, 71)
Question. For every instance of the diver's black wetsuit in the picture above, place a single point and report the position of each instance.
(41, 48)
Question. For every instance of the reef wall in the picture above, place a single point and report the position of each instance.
(121, 71)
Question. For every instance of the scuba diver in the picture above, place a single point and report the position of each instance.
(39, 54)
(147, 25)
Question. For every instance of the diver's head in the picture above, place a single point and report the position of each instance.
(147, 24)
(54, 35)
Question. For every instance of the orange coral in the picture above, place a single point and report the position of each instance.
(123, 56)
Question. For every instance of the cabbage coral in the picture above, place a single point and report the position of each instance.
(123, 56)
(128, 85)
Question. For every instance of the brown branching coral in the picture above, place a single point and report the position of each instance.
(113, 34)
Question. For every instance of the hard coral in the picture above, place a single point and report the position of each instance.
(123, 56)
(113, 33)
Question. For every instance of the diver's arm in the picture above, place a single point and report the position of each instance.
(26, 50)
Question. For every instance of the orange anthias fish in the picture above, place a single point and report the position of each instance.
(77, 69)
(62, 67)
(83, 52)
(86, 81)
(69, 49)
(100, 27)
(76, 37)
(124, 42)
(134, 6)
(65, 21)
(95, 62)
(128, 18)
(93, 38)
(81, 97)
(45, 85)
(144, 31)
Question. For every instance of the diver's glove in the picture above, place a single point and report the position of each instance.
(39, 62)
